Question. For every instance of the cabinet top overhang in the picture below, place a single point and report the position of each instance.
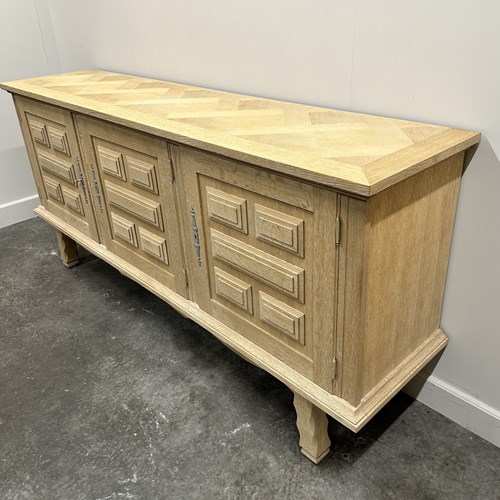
(351, 152)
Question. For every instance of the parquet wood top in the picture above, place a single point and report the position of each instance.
(352, 152)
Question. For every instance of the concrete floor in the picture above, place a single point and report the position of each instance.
(107, 393)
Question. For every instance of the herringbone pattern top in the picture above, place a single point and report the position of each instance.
(350, 151)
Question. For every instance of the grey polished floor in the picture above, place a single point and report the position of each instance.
(108, 393)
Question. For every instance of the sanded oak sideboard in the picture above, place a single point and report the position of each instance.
(312, 242)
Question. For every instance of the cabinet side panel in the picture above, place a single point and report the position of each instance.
(31, 153)
(351, 313)
(409, 238)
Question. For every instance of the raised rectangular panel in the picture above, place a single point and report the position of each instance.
(124, 229)
(39, 132)
(111, 162)
(59, 140)
(279, 229)
(281, 316)
(153, 245)
(227, 208)
(63, 169)
(73, 200)
(142, 208)
(281, 275)
(53, 189)
(233, 289)
(142, 174)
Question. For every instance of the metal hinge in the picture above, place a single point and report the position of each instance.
(334, 367)
(172, 170)
(186, 282)
(337, 230)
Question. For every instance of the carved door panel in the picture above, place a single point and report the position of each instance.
(52, 145)
(263, 257)
(134, 198)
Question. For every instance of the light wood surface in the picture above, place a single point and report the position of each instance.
(336, 292)
(352, 152)
(396, 250)
(135, 207)
(54, 152)
(312, 424)
(67, 249)
(268, 241)
(352, 417)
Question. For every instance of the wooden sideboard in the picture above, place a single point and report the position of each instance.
(312, 242)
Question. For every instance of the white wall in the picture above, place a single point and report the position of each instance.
(22, 55)
(438, 61)
(427, 60)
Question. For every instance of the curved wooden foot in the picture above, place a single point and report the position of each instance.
(67, 248)
(312, 424)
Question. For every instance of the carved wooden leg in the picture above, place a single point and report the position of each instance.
(312, 424)
(67, 248)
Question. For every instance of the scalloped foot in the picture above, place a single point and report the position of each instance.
(312, 424)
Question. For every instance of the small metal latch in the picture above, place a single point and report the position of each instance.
(96, 188)
(196, 237)
(81, 180)
(337, 230)
(334, 367)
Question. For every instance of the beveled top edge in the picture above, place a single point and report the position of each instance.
(291, 156)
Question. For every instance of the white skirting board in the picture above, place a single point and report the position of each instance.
(18, 210)
(457, 405)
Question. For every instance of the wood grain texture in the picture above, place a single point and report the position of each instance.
(54, 152)
(73, 200)
(67, 249)
(398, 377)
(410, 229)
(306, 338)
(350, 416)
(134, 198)
(60, 168)
(312, 424)
(228, 209)
(53, 189)
(135, 204)
(234, 290)
(337, 295)
(279, 229)
(397, 246)
(154, 245)
(59, 140)
(352, 152)
(39, 133)
(282, 317)
(124, 229)
(263, 266)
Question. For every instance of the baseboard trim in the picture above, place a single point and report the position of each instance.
(457, 405)
(18, 210)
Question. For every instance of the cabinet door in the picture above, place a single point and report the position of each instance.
(50, 138)
(263, 257)
(134, 198)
